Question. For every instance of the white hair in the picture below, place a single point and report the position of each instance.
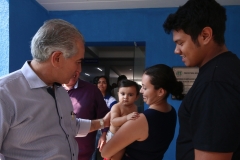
(55, 35)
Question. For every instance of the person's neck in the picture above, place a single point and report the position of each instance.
(213, 51)
(162, 106)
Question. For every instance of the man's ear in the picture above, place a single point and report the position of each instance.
(56, 58)
(206, 35)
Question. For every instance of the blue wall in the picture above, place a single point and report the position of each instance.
(4, 34)
(110, 26)
(26, 16)
(140, 25)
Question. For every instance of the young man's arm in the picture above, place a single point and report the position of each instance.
(205, 155)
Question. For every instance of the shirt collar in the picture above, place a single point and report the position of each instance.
(33, 80)
(76, 85)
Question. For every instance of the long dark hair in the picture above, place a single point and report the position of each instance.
(108, 90)
(162, 76)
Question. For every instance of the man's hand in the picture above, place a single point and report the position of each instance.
(102, 141)
(106, 119)
(96, 124)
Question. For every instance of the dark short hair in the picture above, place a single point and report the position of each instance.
(162, 76)
(129, 83)
(194, 15)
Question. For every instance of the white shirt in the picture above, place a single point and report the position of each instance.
(32, 126)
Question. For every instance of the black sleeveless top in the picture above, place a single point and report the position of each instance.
(161, 132)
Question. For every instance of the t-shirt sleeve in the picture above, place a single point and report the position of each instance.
(112, 101)
(215, 119)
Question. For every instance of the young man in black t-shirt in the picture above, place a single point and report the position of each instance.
(209, 115)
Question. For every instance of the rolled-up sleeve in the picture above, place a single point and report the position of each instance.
(83, 127)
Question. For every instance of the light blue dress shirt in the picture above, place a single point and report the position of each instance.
(32, 125)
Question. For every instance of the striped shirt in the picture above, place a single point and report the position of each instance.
(110, 101)
(32, 124)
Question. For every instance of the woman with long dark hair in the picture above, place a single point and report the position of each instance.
(149, 136)
(105, 88)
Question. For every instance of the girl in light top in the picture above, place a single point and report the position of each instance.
(104, 86)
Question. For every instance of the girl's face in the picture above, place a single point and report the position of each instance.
(150, 94)
(102, 85)
(127, 95)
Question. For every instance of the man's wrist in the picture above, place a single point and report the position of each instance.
(101, 123)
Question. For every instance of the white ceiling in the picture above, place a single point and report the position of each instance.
(63, 5)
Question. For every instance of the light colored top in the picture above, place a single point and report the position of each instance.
(32, 126)
(110, 101)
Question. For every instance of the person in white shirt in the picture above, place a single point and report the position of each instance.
(36, 115)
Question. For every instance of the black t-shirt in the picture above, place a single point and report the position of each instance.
(209, 115)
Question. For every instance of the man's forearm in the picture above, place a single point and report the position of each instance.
(96, 125)
(100, 123)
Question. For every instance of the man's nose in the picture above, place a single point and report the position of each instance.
(177, 50)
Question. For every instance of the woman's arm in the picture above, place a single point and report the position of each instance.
(129, 132)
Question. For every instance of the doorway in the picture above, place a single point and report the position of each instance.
(113, 61)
